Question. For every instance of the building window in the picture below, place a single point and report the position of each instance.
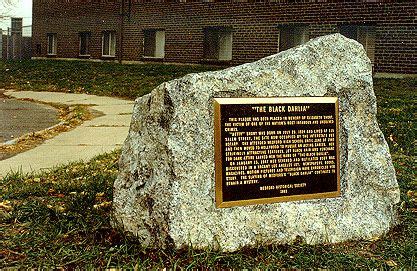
(218, 43)
(154, 43)
(16, 24)
(365, 35)
(291, 36)
(52, 44)
(109, 44)
(85, 43)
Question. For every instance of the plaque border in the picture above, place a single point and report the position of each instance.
(217, 102)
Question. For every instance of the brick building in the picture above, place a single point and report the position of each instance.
(220, 32)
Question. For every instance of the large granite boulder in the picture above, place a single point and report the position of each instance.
(165, 193)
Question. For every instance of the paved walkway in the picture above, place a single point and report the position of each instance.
(18, 118)
(93, 137)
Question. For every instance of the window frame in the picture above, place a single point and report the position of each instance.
(219, 32)
(154, 32)
(291, 30)
(81, 35)
(365, 34)
(52, 44)
(112, 44)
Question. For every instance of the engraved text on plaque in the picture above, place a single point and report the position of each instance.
(275, 149)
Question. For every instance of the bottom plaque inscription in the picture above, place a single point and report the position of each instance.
(275, 149)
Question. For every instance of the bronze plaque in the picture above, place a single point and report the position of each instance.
(275, 149)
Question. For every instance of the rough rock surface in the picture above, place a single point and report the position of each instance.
(165, 191)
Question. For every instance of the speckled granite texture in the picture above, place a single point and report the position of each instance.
(164, 194)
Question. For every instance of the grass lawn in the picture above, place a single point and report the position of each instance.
(61, 218)
(99, 78)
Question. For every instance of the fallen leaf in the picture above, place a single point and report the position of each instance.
(391, 263)
(102, 205)
(61, 209)
(100, 195)
(374, 239)
(5, 205)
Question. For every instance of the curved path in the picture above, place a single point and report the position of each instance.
(18, 118)
(93, 137)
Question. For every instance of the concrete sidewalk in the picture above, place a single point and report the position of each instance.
(93, 137)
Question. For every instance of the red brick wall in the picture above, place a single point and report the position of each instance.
(254, 24)
(67, 19)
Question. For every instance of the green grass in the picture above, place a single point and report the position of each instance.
(61, 218)
(397, 113)
(99, 78)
